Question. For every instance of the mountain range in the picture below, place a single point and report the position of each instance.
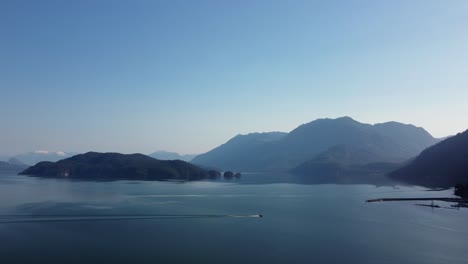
(344, 140)
(334, 150)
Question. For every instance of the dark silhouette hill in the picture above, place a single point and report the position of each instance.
(97, 166)
(442, 165)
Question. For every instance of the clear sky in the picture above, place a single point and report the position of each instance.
(138, 76)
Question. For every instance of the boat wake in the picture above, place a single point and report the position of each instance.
(14, 219)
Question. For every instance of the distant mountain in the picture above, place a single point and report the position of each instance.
(388, 142)
(242, 153)
(6, 167)
(4, 157)
(31, 158)
(15, 161)
(166, 155)
(442, 165)
(110, 166)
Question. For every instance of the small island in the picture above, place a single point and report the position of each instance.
(229, 175)
(114, 166)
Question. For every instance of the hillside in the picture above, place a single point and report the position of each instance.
(345, 160)
(442, 165)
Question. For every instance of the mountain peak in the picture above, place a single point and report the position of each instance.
(345, 118)
(338, 120)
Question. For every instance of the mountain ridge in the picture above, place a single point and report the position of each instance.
(310, 139)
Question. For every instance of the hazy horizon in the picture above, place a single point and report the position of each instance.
(186, 76)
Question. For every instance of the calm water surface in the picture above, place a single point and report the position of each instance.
(302, 223)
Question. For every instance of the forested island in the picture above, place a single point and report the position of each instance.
(112, 166)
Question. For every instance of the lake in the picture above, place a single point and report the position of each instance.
(208, 222)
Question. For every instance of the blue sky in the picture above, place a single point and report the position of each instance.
(138, 76)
